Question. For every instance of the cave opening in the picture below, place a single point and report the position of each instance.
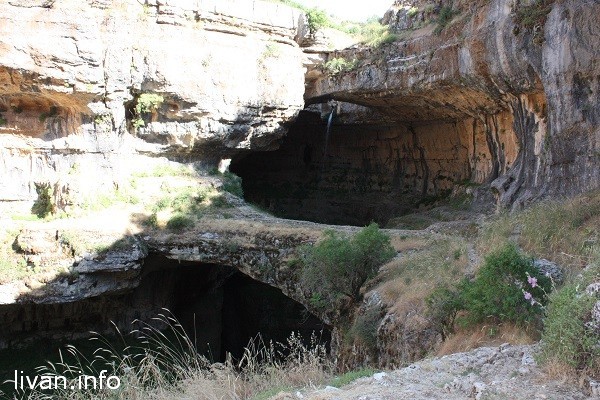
(378, 164)
(362, 172)
(220, 308)
(223, 309)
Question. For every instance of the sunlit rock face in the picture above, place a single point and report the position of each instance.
(530, 93)
(229, 76)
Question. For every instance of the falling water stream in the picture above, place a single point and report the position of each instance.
(327, 133)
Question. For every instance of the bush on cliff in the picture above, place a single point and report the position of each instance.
(317, 19)
(339, 265)
(44, 204)
(570, 337)
(500, 288)
(507, 288)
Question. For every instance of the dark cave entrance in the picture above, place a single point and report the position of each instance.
(232, 309)
(364, 172)
(220, 308)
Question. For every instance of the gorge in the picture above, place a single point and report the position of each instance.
(113, 111)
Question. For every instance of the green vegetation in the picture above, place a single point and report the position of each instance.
(179, 222)
(166, 170)
(272, 50)
(44, 204)
(568, 340)
(122, 194)
(339, 265)
(164, 363)
(3, 121)
(317, 19)
(447, 13)
(498, 293)
(443, 305)
(498, 289)
(51, 113)
(80, 245)
(184, 205)
(566, 232)
(351, 376)
(412, 12)
(371, 32)
(339, 65)
(364, 328)
(532, 17)
(426, 264)
(232, 184)
(146, 103)
(12, 265)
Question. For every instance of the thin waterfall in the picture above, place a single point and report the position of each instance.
(327, 133)
(325, 146)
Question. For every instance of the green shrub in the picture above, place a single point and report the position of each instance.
(146, 103)
(179, 222)
(317, 302)
(151, 221)
(51, 113)
(339, 265)
(497, 291)
(220, 202)
(364, 328)
(317, 19)
(44, 204)
(232, 184)
(443, 305)
(446, 15)
(351, 376)
(566, 339)
(3, 121)
(532, 17)
(338, 65)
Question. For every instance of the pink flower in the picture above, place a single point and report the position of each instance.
(528, 296)
(532, 281)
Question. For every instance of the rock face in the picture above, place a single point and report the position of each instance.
(93, 90)
(358, 173)
(195, 274)
(488, 372)
(518, 104)
(229, 76)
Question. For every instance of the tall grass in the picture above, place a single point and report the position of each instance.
(163, 363)
(567, 232)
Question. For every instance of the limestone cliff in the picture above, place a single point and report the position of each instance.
(228, 75)
(480, 95)
(91, 91)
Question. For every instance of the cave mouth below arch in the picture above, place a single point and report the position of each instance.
(233, 309)
(220, 308)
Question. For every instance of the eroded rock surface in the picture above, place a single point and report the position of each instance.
(516, 101)
(71, 73)
(488, 372)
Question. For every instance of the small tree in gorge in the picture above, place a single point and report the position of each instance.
(339, 265)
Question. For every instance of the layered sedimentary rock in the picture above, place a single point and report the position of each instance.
(519, 101)
(194, 274)
(362, 172)
(227, 74)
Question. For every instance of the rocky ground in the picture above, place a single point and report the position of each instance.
(504, 372)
